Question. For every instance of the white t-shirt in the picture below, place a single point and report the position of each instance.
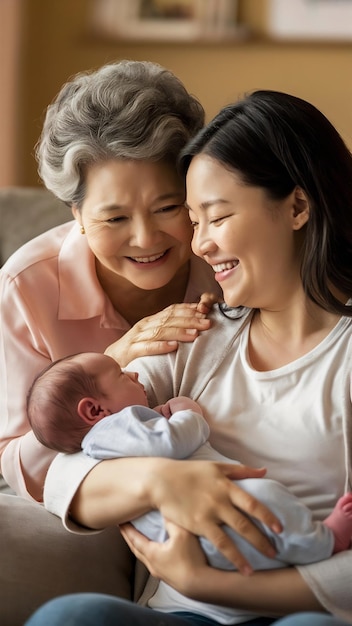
(288, 420)
(295, 420)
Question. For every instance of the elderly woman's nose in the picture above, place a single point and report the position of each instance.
(144, 233)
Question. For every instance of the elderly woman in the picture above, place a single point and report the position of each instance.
(108, 149)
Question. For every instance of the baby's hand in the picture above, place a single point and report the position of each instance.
(180, 403)
(164, 409)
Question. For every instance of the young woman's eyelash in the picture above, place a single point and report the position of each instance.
(219, 219)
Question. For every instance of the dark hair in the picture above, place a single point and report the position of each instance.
(277, 141)
(52, 400)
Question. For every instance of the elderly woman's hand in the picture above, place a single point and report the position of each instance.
(161, 333)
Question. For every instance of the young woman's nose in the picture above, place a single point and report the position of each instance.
(201, 242)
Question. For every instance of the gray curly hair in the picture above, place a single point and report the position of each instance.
(125, 110)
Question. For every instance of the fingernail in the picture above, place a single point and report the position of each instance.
(271, 553)
(191, 331)
(277, 528)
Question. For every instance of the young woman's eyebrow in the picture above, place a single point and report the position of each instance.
(208, 204)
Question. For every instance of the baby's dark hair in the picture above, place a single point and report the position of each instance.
(52, 404)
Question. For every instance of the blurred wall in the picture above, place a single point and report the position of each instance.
(57, 41)
(10, 34)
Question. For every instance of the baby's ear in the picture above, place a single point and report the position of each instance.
(91, 411)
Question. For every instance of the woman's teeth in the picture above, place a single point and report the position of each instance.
(229, 265)
(147, 259)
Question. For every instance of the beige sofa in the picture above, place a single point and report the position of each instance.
(39, 558)
(26, 212)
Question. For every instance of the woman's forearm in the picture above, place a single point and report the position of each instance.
(198, 496)
(24, 464)
(115, 491)
(273, 592)
(181, 563)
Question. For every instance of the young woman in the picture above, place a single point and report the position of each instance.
(269, 191)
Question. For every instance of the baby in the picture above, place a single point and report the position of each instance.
(87, 402)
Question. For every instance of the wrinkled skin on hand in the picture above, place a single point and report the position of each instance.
(160, 333)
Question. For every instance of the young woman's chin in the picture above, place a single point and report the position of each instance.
(232, 297)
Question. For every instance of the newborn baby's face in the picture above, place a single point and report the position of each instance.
(120, 389)
(127, 390)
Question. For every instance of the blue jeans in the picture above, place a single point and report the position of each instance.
(93, 609)
(311, 619)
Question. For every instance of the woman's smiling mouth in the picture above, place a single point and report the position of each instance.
(228, 265)
(222, 270)
(147, 259)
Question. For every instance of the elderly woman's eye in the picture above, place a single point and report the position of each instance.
(170, 208)
(113, 220)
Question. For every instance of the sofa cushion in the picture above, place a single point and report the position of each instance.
(41, 560)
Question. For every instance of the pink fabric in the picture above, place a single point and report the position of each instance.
(52, 305)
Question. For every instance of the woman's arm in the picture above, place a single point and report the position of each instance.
(24, 461)
(161, 332)
(199, 496)
(181, 563)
